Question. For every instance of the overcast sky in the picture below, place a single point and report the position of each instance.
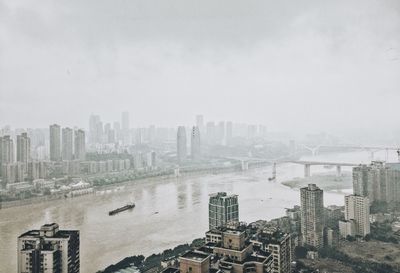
(292, 65)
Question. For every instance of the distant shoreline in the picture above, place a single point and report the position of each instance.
(48, 198)
(328, 182)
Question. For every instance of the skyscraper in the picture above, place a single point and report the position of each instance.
(94, 137)
(378, 181)
(200, 122)
(211, 133)
(80, 146)
(55, 143)
(357, 209)
(125, 128)
(181, 151)
(195, 144)
(125, 121)
(23, 148)
(222, 209)
(67, 144)
(6, 150)
(312, 215)
(49, 250)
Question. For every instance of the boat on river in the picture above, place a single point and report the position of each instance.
(128, 206)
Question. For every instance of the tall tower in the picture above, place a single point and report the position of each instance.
(80, 148)
(125, 127)
(49, 250)
(200, 122)
(94, 137)
(181, 150)
(67, 144)
(55, 142)
(195, 144)
(6, 150)
(357, 209)
(23, 148)
(312, 215)
(222, 209)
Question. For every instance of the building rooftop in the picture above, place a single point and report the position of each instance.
(60, 234)
(193, 255)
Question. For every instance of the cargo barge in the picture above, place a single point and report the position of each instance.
(118, 210)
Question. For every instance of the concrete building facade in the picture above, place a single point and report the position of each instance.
(223, 209)
(312, 215)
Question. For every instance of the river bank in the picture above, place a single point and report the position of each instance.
(328, 182)
(118, 184)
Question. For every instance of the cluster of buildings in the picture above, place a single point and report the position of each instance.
(319, 225)
(235, 247)
(378, 181)
(120, 133)
(181, 143)
(221, 133)
(230, 245)
(65, 145)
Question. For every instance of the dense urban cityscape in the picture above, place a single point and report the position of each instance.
(64, 163)
(199, 136)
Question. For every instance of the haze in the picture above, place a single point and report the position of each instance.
(294, 66)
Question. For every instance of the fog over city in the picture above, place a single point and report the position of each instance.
(199, 136)
(294, 66)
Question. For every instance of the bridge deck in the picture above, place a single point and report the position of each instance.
(324, 163)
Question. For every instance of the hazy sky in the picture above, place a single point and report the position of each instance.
(312, 65)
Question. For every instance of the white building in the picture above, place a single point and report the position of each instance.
(357, 209)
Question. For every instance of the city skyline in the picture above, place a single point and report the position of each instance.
(294, 72)
(199, 136)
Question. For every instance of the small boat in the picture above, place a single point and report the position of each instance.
(118, 210)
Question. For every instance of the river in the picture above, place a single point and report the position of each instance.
(181, 203)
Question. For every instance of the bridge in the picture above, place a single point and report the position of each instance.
(371, 149)
(308, 164)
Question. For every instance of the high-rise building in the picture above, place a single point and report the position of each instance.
(312, 215)
(222, 210)
(200, 123)
(8, 172)
(181, 145)
(94, 121)
(195, 144)
(117, 131)
(278, 244)
(125, 128)
(49, 250)
(379, 181)
(55, 142)
(6, 150)
(67, 144)
(80, 146)
(211, 133)
(357, 209)
(238, 256)
(23, 148)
